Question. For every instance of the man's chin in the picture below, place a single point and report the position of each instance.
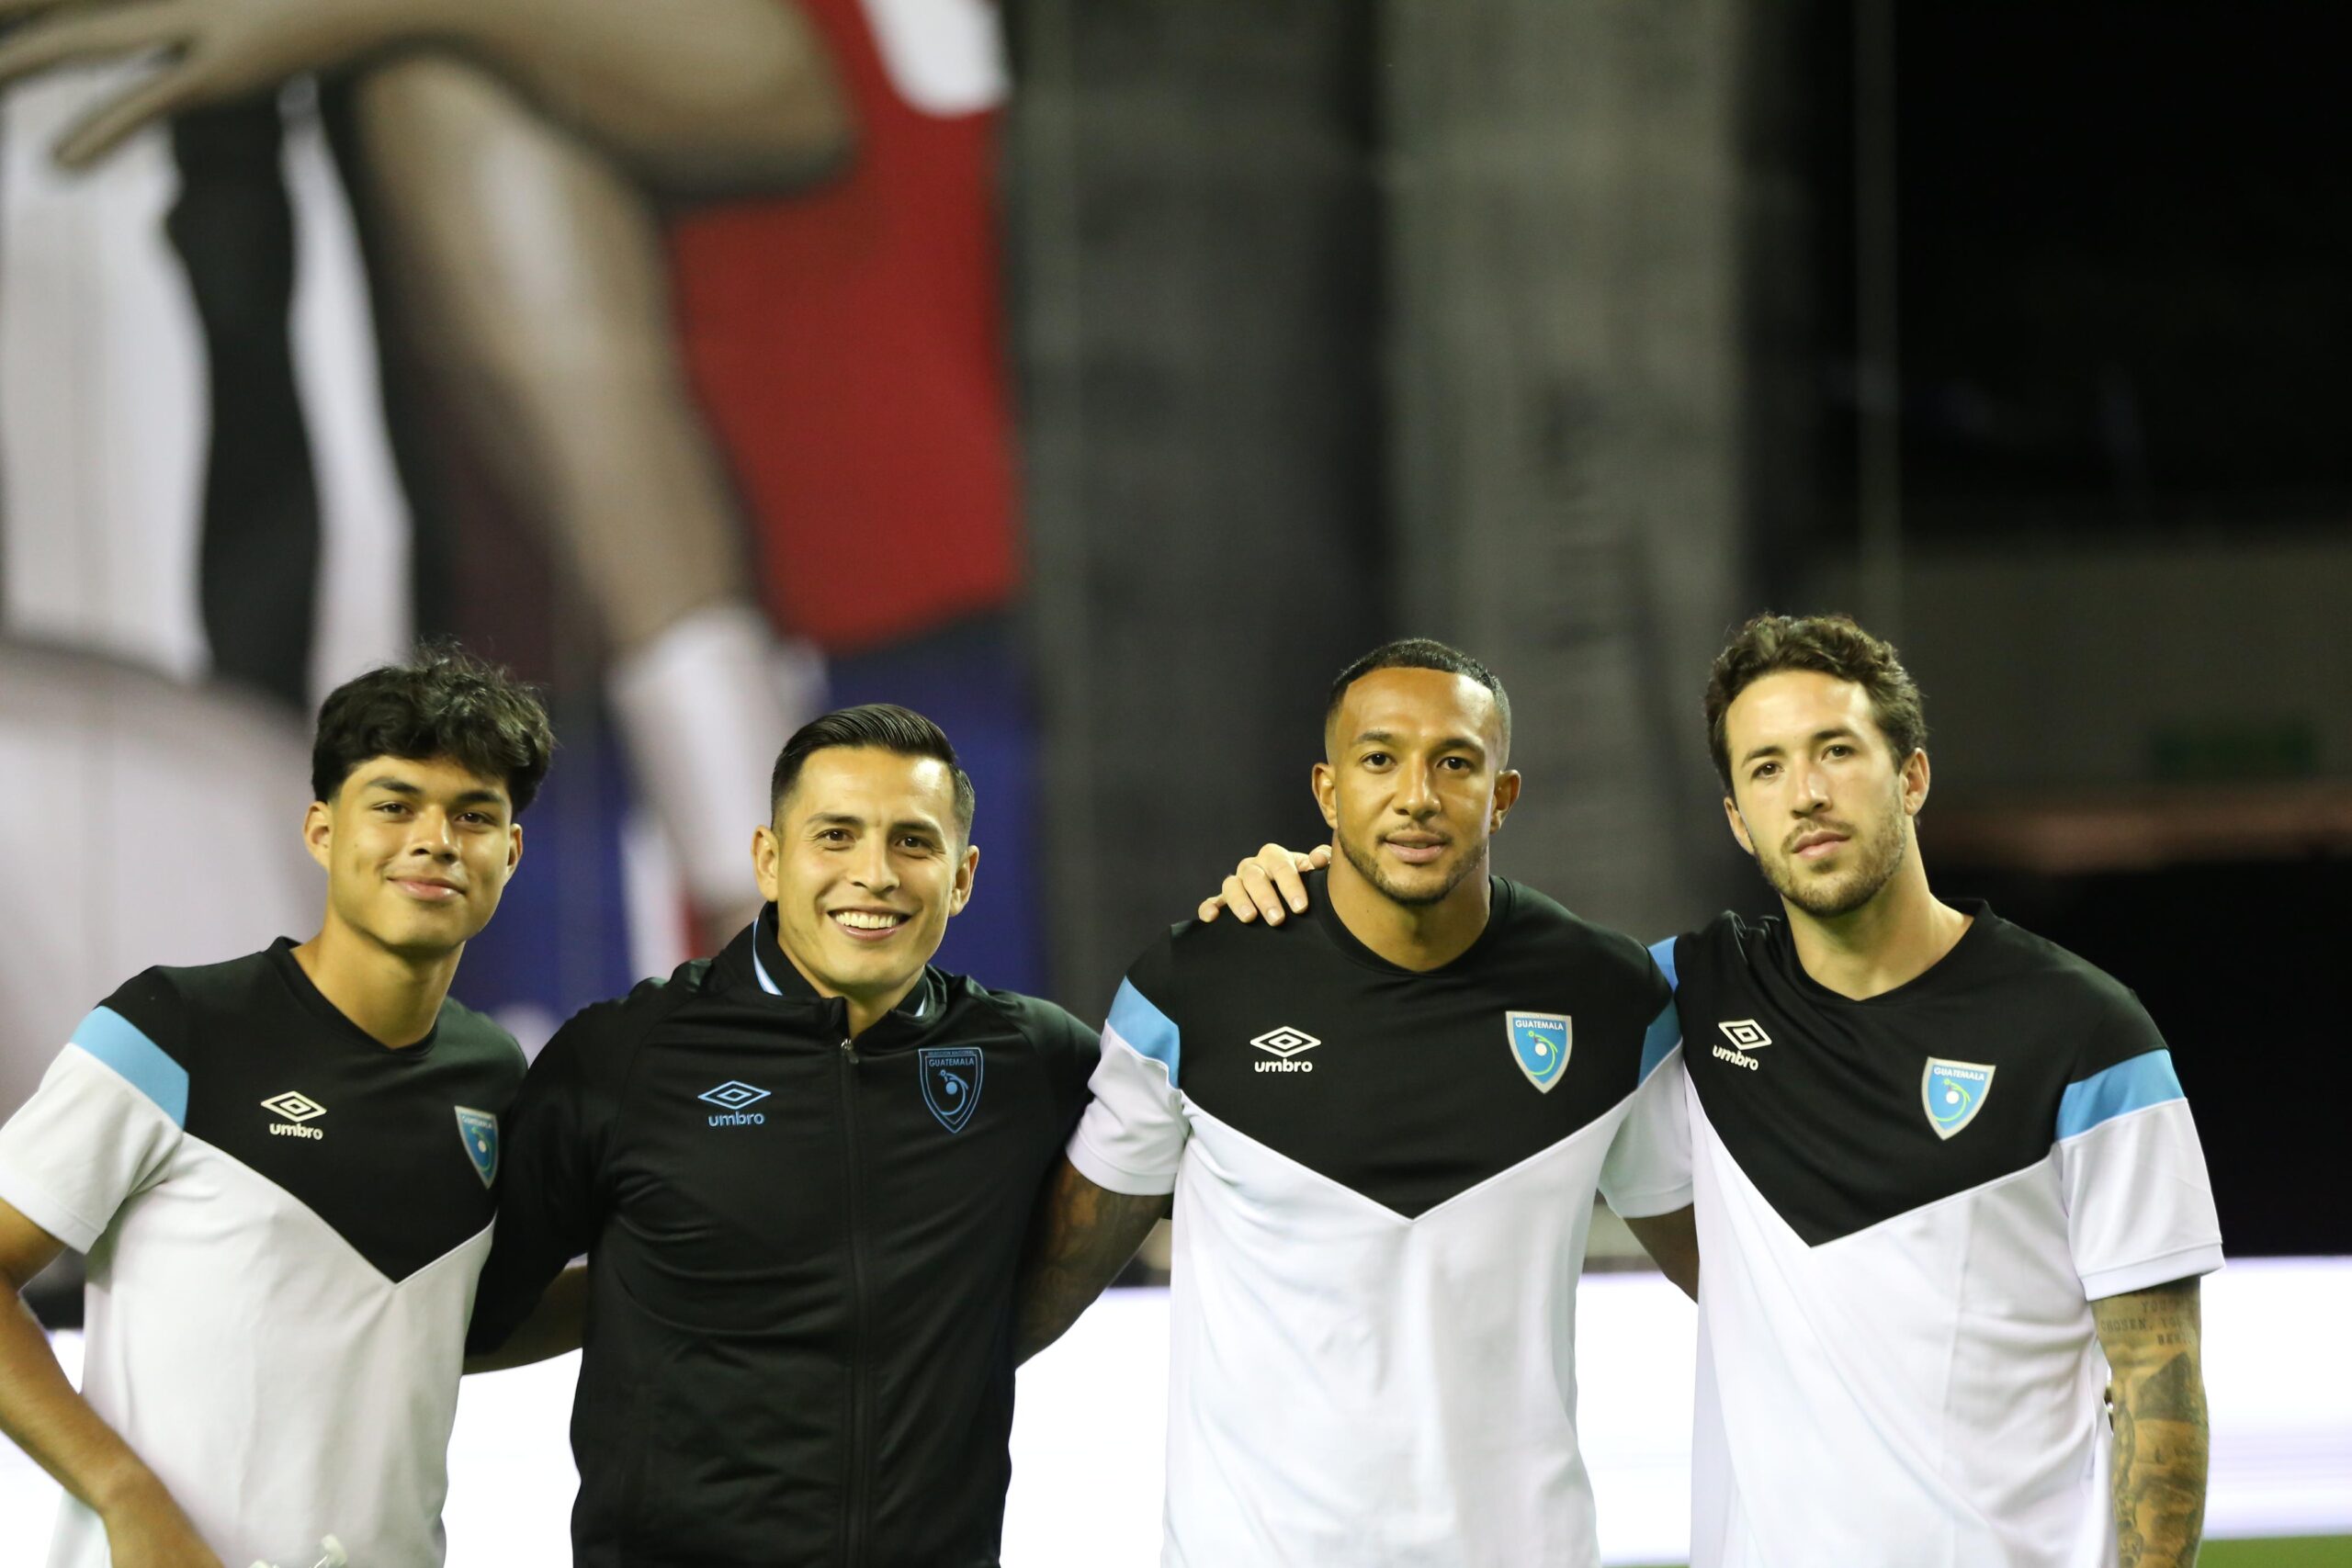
(1417, 887)
(1829, 899)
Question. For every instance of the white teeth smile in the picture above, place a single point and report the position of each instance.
(858, 920)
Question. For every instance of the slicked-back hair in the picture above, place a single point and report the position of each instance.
(1830, 645)
(1421, 653)
(444, 703)
(881, 727)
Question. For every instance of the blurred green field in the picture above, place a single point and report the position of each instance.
(2301, 1551)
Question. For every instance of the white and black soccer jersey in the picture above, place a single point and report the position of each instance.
(284, 1221)
(1384, 1182)
(1905, 1206)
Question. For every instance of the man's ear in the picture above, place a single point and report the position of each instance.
(1738, 826)
(766, 850)
(1914, 780)
(1324, 784)
(964, 876)
(514, 848)
(318, 832)
(1506, 795)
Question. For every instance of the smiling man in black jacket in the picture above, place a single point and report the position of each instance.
(802, 1171)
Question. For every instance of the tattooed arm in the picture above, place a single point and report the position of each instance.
(1082, 1235)
(2156, 1396)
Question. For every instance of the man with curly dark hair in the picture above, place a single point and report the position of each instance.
(281, 1168)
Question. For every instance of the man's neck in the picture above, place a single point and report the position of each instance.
(394, 1000)
(865, 1012)
(1419, 937)
(1899, 935)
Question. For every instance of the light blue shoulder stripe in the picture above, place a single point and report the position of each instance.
(1151, 1032)
(2145, 1080)
(124, 1046)
(1665, 1031)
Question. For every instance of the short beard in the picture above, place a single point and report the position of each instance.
(1882, 857)
(1372, 872)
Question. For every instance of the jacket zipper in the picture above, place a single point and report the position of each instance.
(855, 1503)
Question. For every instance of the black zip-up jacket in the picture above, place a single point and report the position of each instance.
(802, 1253)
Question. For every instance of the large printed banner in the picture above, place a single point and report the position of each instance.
(395, 344)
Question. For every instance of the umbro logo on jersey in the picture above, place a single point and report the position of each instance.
(733, 1099)
(1953, 1093)
(1540, 1043)
(1286, 1043)
(1746, 1034)
(296, 1107)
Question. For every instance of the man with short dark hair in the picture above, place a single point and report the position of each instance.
(802, 1171)
(281, 1168)
(1383, 1128)
(1940, 1164)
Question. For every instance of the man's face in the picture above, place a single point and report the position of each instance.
(865, 865)
(1818, 798)
(1413, 784)
(417, 852)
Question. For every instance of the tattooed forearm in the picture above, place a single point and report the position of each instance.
(2157, 1399)
(1081, 1237)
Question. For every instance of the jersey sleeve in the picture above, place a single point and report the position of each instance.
(105, 1118)
(550, 1178)
(1648, 1168)
(2139, 1204)
(1131, 1136)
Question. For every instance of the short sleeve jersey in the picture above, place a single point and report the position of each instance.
(1905, 1206)
(284, 1221)
(1383, 1182)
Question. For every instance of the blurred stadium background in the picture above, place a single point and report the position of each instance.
(1132, 368)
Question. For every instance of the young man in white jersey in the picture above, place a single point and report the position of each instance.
(281, 1169)
(1940, 1165)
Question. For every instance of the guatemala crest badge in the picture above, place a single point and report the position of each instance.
(1539, 1043)
(951, 1082)
(480, 1131)
(1953, 1093)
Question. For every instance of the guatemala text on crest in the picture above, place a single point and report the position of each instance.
(1540, 1043)
(951, 1082)
(1952, 1092)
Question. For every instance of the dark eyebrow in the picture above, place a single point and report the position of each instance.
(407, 791)
(1451, 743)
(1835, 732)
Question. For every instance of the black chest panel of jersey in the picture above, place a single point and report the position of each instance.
(386, 1147)
(1411, 1092)
(1831, 1105)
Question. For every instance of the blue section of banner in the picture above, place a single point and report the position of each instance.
(971, 680)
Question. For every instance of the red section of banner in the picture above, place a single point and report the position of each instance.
(847, 345)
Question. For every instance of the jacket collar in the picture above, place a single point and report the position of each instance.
(754, 958)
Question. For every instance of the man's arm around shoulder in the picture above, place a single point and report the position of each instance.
(42, 1414)
(1081, 1235)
